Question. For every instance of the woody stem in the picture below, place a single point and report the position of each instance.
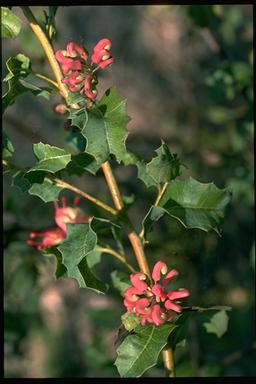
(134, 238)
(93, 199)
(121, 258)
(169, 361)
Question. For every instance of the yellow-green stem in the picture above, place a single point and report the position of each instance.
(168, 359)
(121, 258)
(47, 49)
(43, 77)
(93, 199)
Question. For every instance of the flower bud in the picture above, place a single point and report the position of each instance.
(60, 109)
(102, 44)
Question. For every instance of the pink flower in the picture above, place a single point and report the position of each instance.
(75, 49)
(102, 44)
(63, 215)
(50, 238)
(67, 64)
(154, 303)
(68, 215)
(106, 63)
(100, 55)
(80, 74)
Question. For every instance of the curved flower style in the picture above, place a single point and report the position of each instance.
(69, 215)
(153, 303)
(63, 215)
(80, 75)
(50, 238)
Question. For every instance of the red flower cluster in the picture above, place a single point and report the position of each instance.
(63, 215)
(81, 74)
(153, 303)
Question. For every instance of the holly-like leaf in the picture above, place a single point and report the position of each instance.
(35, 183)
(104, 127)
(80, 163)
(195, 204)
(218, 324)
(20, 181)
(8, 149)
(50, 159)
(47, 191)
(10, 23)
(81, 240)
(153, 215)
(93, 258)
(131, 158)
(19, 68)
(61, 270)
(165, 166)
(139, 351)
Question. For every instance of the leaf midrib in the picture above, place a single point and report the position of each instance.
(144, 347)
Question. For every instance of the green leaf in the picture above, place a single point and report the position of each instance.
(20, 181)
(99, 224)
(47, 191)
(50, 26)
(77, 141)
(104, 127)
(165, 166)
(50, 159)
(80, 163)
(93, 258)
(35, 183)
(120, 280)
(195, 204)
(139, 352)
(179, 335)
(8, 148)
(131, 158)
(218, 324)
(130, 321)
(10, 23)
(153, 215)
(61, 270)
(19, 68)
(81, 240)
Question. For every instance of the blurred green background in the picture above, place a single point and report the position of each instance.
(186, 72)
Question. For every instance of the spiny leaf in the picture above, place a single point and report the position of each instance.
(195, 204)
(8, 148)
(10, 23)
(104, 127)
(19, 67)
(165, 166)
(61, 270)
(218, 324)
(153, 215)
(50, 159)
(139, 352)
(81, 240)
(81, 162)
(131, 158)
(35, 183)
(47, 191)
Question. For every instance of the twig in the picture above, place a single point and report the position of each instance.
(93, 199)
(120, 257)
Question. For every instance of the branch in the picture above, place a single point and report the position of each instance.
(93, 199)
(120, 257)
